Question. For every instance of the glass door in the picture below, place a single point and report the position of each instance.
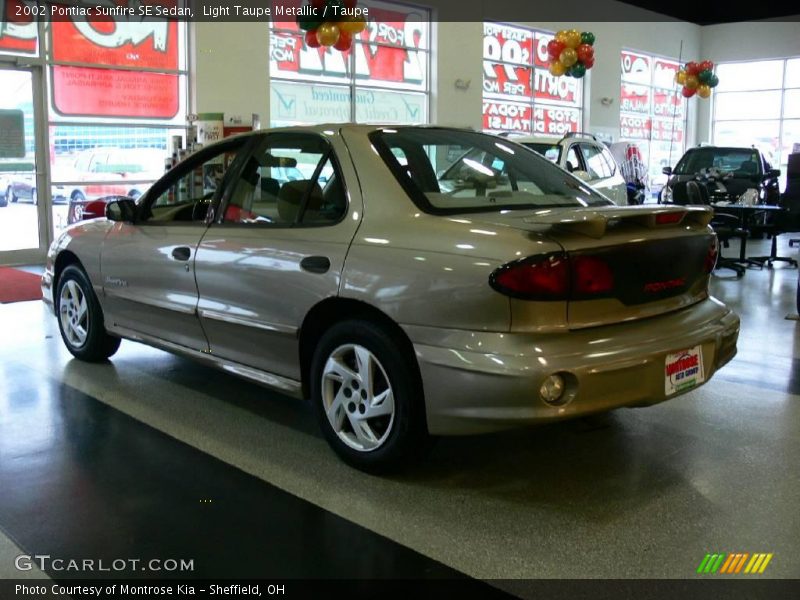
(23, 215)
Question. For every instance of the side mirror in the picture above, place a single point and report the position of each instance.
(582, 175)
(773, 174)
(667, 170)
(122, 210)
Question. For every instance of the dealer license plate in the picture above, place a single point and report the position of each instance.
(683, 370)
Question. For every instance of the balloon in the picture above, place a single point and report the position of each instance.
(328, 34)
(705, 76)
(692, 68)
(568, 57)
(573, 38)
(557, 68)
(588, 63)
(554, 48)
(691, 82)
(687, 92)
(353, 25)
(704, 91)
(578, 70)
(706, 65)
(308, 22)
(587, 37)
(714, 81)
(561, 36)
(344, 42)
(311, 39)
(585, 51)
(680, 77)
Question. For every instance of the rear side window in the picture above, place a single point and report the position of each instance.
(447, 171)
(596, 164)
(290, 180)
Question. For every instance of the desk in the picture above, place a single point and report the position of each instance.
(745, 214)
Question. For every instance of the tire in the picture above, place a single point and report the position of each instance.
(78, 196)
(10, 197)
(80, 318)
(396, 436)
(3, 201)
(34, 197)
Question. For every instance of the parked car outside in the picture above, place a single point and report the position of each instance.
(403, 305)
(20, 186)
(586, 158)
(738, 169)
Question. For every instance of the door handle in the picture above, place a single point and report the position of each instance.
(183, 253)
(315, 264)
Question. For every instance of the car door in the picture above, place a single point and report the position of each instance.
(148, 265)
(277, 249)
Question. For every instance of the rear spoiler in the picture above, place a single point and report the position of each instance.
(594, 222)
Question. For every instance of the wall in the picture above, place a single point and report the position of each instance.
(745, 41)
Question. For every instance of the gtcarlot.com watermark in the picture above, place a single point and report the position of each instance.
(45, 562)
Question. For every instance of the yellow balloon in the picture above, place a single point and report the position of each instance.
(568, 57)
(328, 34)
(557, 68)
(680, 77)
(573, 38)
(704, 90)
(692, 82)
(353, 25)
(561, 36)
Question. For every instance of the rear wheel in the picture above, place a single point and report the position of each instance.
(368, 397)
(80, 318)
(10, 197)
(34, 197)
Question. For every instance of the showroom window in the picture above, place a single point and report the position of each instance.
(382, 78)
(519, 93)
(652, 111)
(758, 103)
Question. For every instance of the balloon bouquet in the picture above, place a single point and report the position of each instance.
(331, 30)
(697, 78)
(571, 53)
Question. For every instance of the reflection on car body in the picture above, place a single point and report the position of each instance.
(404, 303)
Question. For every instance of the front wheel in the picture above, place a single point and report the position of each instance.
(10, 197)
(80, 318)
(368, 397)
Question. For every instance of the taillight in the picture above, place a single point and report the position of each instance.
(712, 255)
(669, 218)
(554, 277)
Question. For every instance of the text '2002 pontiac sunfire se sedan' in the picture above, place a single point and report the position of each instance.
(412, 282)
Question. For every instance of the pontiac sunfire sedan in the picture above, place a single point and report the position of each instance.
(420, 281)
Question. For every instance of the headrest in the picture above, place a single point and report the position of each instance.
(291, 196)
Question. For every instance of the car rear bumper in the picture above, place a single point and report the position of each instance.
(478, 381)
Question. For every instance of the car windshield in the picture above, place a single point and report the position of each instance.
(741, 162)
(551, 152)
(447, 171)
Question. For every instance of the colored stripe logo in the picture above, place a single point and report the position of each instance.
(734, 563)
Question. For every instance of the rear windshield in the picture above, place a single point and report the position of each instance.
(741, 162)
(447, 171)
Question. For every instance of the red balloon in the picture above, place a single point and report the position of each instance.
(344, 42)
(311, 39)
(706, 65)
(585, 52)
(554, 49)
(688, 93)
(692, 68)
(588, 62)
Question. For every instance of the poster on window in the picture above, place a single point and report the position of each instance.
(665, 130)
(664, 71)
(668, 103)
(84, 91)
(17, 30)
(635, 98)
(390, 52)
(555, 120)
(507, 116)
(634, 127)
(507, 80)
(636, 68)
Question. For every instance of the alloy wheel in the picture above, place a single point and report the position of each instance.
(74, 314)
(358, 398)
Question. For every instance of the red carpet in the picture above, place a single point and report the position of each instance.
(19, 286)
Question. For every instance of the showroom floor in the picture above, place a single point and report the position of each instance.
(152, 455)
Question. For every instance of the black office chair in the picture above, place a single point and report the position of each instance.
(690, 192)
(788, 220)
(727, 227)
